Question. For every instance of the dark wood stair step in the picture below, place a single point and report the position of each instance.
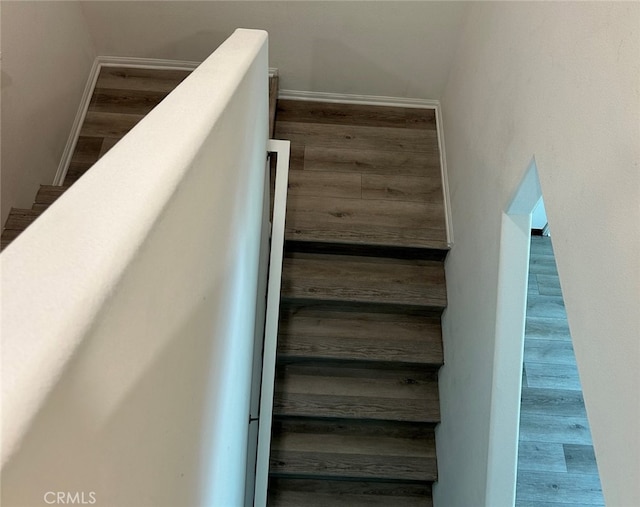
(365, 221)
(356, 393)
(19, 219)
(351, 280)
(331, 493)
(47, 194)
(357, 336)
(353, 456)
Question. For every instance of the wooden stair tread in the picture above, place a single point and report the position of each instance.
(47, 194)
(358, 137)
(309, 333)
(19, 219)
(345, 279)
(356, 114)
(369, 221)
(287, 492)
(365, 161)
(375, 394)
(330, 455)
(350, 444)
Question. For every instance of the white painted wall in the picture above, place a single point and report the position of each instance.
(127, 329)
(558, 81)
(47, 54)
(398, 49)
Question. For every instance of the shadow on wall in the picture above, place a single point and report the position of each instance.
(149, 449)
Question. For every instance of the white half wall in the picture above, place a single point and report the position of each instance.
(128, 309)
(47, 53)
(387, 48)
(558, 81)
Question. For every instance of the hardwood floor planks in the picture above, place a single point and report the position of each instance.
(358, 137)
(365, 221)
(556, 462)
(326, 493)
(101, 124)
(325, 184)
(401, 188)
(371, 161)
(541, 457)
(112, 100)
(355, 114)
(542, 487)
(364, 280)
(360, 336)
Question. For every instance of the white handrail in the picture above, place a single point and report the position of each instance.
(271, 325)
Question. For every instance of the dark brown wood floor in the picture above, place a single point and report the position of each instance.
(556, 462)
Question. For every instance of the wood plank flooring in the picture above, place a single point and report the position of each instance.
(121, 98)
(556, 462)
(361, 174)
(363, 288)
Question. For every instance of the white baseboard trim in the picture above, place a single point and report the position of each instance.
(371, 100)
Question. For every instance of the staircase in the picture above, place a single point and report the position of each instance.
(121, 98)
(359, 346)
(356, 395)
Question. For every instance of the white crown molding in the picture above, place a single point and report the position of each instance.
(371, 100)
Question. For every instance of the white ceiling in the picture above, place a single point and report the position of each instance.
(391, 48)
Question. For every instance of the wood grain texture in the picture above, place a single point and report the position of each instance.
(19, 219)
(356, 114)
(401, 188)
(376, 222)
(125, 101)
(360, 336)
(555, 441)
(398, 397)
(47, 194)
(355, 457)
(371, 161)
(291, 492)
(363, 280)
(542, 457)
(542, 487)
(324, 184)
(358, 137)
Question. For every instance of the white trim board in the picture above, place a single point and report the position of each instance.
(112, 61)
